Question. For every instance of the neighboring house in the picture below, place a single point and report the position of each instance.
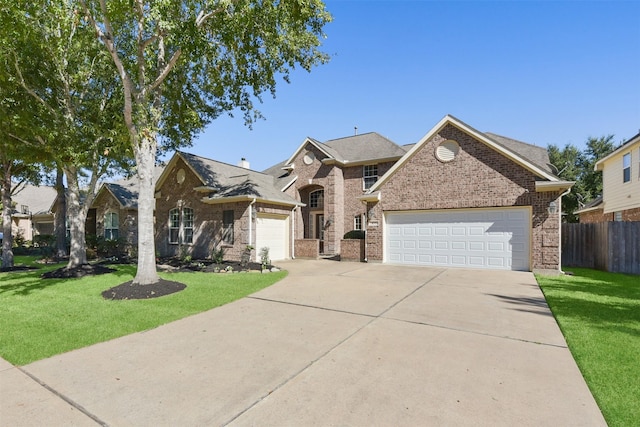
(459, 197)
(32, 213)
(203, 206)
(620, 200)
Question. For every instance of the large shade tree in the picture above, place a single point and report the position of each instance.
(182, 63)
(577, 165)
(56, 61)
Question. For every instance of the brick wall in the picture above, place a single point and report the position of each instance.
(207, 221)
(307, 248)
(352, 250)
(598, 215)
(127, 218)
(477, 177)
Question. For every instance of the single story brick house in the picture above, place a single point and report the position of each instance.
(458, 197)
(203, 205)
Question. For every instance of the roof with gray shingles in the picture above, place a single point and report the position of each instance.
(38, 199)
(232, 181)
(534, 154)
(126, 190)
(364, 147)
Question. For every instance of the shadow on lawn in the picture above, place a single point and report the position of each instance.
(27, 283)
(601, 300)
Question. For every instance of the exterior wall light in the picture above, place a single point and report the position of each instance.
(553, 207)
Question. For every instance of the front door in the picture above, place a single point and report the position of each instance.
(319, 227)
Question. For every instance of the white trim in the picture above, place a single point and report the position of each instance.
(450, 120)
(542, 186)
(295, 178)
(306, 141)
(627, 145)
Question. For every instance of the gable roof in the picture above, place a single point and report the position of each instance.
(364, 147)
(539, 156)
(506, 147)
(222, 182)
(125, 190)
(361, 148)
(38, 199)
(600, 163)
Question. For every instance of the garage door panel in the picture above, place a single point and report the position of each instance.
(272, 232)
(480, 238)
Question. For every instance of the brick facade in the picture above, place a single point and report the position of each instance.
(207, 221)
(478, 177)
(598, 215)
(105, 203)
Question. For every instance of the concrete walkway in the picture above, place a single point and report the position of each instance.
(332, 344)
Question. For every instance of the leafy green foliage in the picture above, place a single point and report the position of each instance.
(599, 314)
(354, 234)
(575, 165)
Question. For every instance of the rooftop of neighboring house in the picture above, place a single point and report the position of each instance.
(34, 200)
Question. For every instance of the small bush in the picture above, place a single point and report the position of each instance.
(354, 234)
(218, 256)
(264, 258)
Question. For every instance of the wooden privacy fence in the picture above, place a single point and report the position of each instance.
(609, 246)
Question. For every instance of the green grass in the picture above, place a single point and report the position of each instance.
(41, 318)
(599, 314)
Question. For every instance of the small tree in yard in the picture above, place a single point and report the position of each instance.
(182, 63)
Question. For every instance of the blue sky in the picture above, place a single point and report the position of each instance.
(538, 71)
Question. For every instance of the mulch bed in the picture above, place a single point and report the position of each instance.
(17, 268)
(80, 271)
(128, 290)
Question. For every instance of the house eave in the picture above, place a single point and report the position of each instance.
(544, 186)
(347, 163)
(376, 196)
(248, 198)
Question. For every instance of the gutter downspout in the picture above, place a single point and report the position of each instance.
(293, 232)
(251, 221)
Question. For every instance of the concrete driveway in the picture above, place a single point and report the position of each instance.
(332, 344)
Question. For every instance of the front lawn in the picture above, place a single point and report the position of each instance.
(599, 314)
(40, 318)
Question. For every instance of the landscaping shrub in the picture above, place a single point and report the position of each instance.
(354, 234)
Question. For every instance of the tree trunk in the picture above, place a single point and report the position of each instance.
(145, 160)
(7, 239)
(78, 252)
(60, 219)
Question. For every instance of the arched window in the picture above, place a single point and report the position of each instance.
(111, 226)
(181, 225)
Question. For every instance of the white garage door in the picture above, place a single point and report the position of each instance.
(474, 238)
(272, 231)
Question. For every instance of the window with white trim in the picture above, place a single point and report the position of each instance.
(316, 199)
(357, 222)
(227, 227)
(369, 176)
(626, 167)
(181, 226)
(111, 226)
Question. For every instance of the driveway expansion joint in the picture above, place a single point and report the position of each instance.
(68, 400)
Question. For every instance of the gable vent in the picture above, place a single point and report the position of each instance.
(447, 151)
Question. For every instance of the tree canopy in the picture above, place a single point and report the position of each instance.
(182, 63)
(576, 165)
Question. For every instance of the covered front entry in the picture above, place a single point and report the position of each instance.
(272, 231)
(474, 238)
